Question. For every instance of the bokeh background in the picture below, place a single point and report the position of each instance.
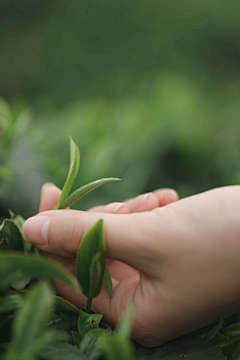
(149, 90)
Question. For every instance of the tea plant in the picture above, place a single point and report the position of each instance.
(37, 324)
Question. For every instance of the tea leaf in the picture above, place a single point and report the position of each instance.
(92, 243)
(62, 319)
(116, 347)
(20, 284)
(90, 345)
(87, 322)
(76, 338)
(214, 331)
(14, 267)
(234, 329)
(72, 173)
(226, 342)
(108, 280)
(62, 351)
(95, 274)
(29, 333)
(84, 190)
(11, 302)
(19, 221)
(10, 237)
(125, 324)
(63, 304)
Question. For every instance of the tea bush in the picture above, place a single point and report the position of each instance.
(37, 324)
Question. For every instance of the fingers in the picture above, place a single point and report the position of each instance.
(113, 208)
(60, 232)
(50, 195)
(166, 196)
(144, 202)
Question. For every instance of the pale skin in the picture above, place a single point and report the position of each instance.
(177, 260)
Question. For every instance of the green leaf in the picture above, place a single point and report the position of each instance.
(10, 237)
(92, 243)
(29, 333)
(76, 338)
(63, 319)
(108, 280)
(72, 173)
(14, 267)
(10, 302)
(214, 331)
(84, 190)
(125, 324)
(90, 345)
(21, 283)
(224, 343)
(62, 351)
(87, 322)
(63, 304)
(234, 330)
(19, 221)
(117, 347)
(190, 347)
(95, 273)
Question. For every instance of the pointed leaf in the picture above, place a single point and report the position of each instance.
(62, 319)
(14, 267)
(108, 280)
(234, 329)
(91, 346)
(11, 302)
(116, 347)
(87, 322)
(10, 237)
(92, 243)
(84, 190)
(29, 333)
(95, 274)
(72, 173)
(125, 324)
(62, 351)
(213, 332)
(63, 304)
(76, 338)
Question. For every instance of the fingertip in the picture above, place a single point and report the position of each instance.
(168, 196)
(50, 194)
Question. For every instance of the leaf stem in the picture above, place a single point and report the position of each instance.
(89, 305)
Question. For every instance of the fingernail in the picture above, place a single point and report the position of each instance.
(120, 209)
(35, 229)
(145, 197)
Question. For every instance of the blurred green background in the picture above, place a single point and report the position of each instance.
(149, 90)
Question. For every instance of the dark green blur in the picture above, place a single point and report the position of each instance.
(149, 90)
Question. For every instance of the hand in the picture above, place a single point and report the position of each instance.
(186, 254)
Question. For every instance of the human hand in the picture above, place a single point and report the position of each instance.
(186, 255)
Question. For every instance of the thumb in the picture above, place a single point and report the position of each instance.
(60, 232)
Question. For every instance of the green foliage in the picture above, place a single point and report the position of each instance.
(73, 171)
(10, 237)
(35, 324)
(87, 322)
(91, 259)
(14, 267)
(29, 333)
